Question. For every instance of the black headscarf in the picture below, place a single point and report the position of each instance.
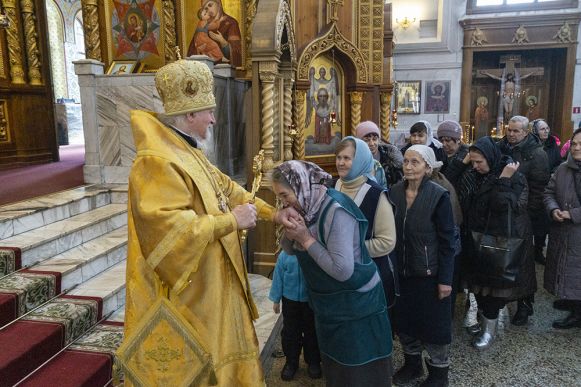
(491, 152)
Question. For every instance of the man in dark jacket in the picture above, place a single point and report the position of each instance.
(534, 165)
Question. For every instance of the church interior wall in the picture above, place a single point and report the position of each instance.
(419, 59)
(428, 59)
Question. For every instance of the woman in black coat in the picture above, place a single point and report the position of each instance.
(542, 130)
(563, 203)
(487, 191)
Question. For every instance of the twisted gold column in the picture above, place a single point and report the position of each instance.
(288, 115)
(267, 119)
(91, 27)
(299, 143)
(169, 30)
(356, 100)
(14, 46)
(30, 38)
(384, 108)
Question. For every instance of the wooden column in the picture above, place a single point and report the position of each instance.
(356, 100)
(14, 44)
(287, 101)
(91, 27)
(30, 36)
(267, 71)
(384, 108)
(299, 143)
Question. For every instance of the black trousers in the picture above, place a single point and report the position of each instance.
(298, 332)
(491, 306)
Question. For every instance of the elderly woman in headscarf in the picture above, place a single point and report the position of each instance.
(425, 252)
(344, 284)
(387, 156)
(543, 132)
(487, 192)
(354, 164)
(562, 200)
(422, 133)
(540, 220)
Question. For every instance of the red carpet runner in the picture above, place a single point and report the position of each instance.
(88, 362)
(29, 343)
(24, 291)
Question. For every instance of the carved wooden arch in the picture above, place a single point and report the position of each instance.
(267, 36)
(328, 40)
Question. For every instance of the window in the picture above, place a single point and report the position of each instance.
(488, 6)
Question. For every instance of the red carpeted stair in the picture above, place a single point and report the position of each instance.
(28, 182)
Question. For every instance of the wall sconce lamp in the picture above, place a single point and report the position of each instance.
(405, 22)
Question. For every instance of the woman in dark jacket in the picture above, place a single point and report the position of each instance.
(487, 191)
(542, 130)
(563, 203)
(425, 249)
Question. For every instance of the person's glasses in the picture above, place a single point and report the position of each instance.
(544, 129)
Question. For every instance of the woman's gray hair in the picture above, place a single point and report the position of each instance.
(523, 121)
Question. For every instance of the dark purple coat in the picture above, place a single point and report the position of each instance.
(563, 268)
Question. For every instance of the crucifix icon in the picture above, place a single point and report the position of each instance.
(510, 78)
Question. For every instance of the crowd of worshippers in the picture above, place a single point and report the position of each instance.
(388, 245)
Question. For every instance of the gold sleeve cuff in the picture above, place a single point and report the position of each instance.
(224, 225)
(265, 210)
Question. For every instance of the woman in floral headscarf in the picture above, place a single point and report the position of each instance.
(344, 285)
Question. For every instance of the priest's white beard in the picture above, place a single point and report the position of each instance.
(207, 145)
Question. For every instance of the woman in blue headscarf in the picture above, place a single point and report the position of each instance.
(354, 163)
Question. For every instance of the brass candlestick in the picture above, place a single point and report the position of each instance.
(257, 170)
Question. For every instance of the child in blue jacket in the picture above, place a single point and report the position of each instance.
(298, 330)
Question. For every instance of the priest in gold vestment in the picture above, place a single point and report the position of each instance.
(184, 248)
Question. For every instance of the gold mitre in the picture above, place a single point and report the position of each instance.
(185, 86)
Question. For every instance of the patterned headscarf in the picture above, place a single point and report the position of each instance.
(363, 161)
(307, 180)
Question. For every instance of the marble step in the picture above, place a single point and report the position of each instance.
(17, 218)
(109, 285)
(89, 259)
(55, 238)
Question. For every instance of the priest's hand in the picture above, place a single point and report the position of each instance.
(245, 215)
(284, 216)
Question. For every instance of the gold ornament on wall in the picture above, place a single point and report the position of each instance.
(564, 34)
(169, 28)
(333, 38)
(520, 35)
(4, 127)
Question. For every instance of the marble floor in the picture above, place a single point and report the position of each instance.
(533, 355)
